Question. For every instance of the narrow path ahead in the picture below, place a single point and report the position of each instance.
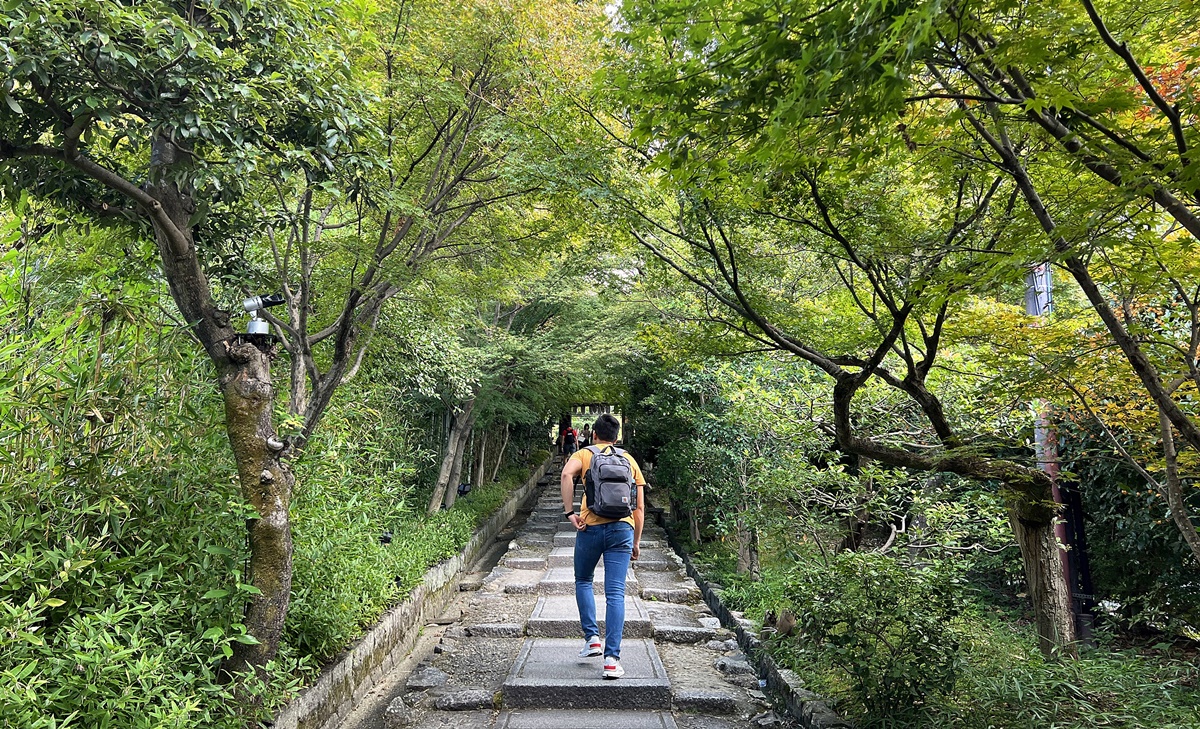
(504, 656)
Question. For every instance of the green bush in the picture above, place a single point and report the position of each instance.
(888, 630)
(345, 578)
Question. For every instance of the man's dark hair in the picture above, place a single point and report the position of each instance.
(607, 428)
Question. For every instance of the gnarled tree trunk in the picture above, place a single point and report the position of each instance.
(267, 484)
(1033, 525)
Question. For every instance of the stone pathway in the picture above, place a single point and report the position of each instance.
(505, 654)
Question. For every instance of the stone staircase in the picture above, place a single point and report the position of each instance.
(506, 655)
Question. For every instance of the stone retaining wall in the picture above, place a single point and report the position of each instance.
(783, 683)
(329, 701)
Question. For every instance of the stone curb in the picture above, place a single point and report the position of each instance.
(328, 702)
(805, 706)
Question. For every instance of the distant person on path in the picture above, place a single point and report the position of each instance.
(570, 440)
(585, 436)
(609, 527)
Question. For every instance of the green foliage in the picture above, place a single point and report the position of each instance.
(1001, 680)
(231, 83)
(932, 631)
(889, 629)
(124, 537)
(1009, 684)
(345, 577)
(114, 567)
(1129, 523)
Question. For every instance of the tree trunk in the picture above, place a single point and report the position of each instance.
(244, 376)
(500, 455)
(298, 387)
(856, 524)
(267, 484)
(1174, 489)
(747, 540)
(480, 462)
(445, 473)
(693, 526)
(1033, 525)
(456, 467)
(1031, 512)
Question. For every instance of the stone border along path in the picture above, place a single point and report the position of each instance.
(505, 654)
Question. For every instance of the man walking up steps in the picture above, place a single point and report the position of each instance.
(609, 527)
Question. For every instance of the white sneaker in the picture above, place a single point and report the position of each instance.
(612, 668)
(592, 648)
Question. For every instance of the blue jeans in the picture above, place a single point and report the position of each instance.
(613, 542)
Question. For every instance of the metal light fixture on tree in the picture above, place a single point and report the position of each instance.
(255, 304)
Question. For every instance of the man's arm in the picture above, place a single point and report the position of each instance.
(566, 489)
(639, 520)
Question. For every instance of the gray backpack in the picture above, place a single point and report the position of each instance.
(609, 485)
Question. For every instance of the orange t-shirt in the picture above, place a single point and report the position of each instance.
(584, 456)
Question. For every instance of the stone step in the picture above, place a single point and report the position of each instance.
(521, 561)
(555, 508)
(650, 561)
(549, 674)
(519, 582)
(566, 538)
(593, 719)
(680, 595)
(557, 616)
(562, 557)
(561, 581)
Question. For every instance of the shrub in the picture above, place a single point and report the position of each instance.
(889, 630)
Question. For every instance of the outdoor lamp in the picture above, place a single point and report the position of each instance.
(253, 305)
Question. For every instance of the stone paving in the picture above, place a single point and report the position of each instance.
(505, 655)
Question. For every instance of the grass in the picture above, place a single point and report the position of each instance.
(1005, 682)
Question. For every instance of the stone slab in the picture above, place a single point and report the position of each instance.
(466, 700)
(496, 630)
(594, 719)
(656, 565)
(678, 624)
(683, 633)
(549, 673)
(471, 583)
(557, 616)
(541, 528)
(706, 701)
(521, 588)
(565, 539)
(562, 556)
(681, 595)
(555, 503)
(525, 563)
(561, 581)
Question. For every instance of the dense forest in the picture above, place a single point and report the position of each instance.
(901, 300)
